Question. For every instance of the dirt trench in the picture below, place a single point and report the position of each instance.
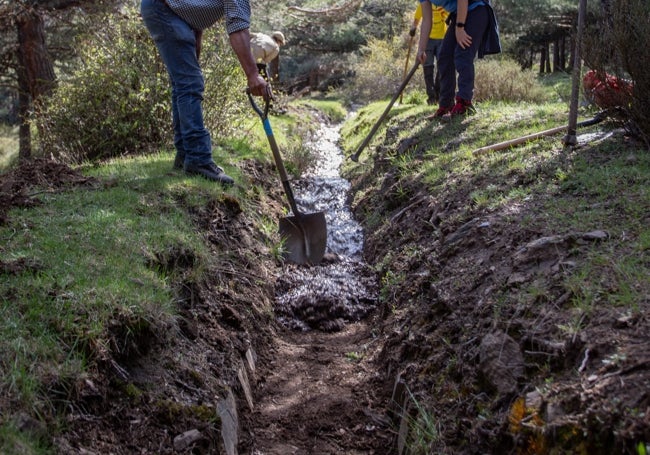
(455, 310)
(321, 394)
(173, 389)
(322, 391)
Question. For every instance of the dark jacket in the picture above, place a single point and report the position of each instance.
(490, 43)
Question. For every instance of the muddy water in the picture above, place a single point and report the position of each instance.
(341, 289)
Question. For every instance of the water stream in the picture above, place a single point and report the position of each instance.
(342, 288)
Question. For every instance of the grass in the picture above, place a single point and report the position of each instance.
(99, 275)
(330, 107)
(603, 186)
(101, 259)
(8, 145)
(423, 428)
(537, 189)
(97, 268)
(289, 130)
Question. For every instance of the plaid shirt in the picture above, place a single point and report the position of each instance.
(201, 14)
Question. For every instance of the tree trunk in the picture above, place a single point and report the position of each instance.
(548, 57)
(556, 56)
(36, 72)
(542, 60)
(33, 55)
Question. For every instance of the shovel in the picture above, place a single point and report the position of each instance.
(305, 234)
(374, 129)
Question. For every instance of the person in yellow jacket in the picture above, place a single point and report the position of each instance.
(430, 67)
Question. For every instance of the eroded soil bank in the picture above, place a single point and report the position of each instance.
(231, 374)
(486, 326)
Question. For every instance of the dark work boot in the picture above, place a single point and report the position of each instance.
(210, 171)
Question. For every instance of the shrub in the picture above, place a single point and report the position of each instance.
(501, 79)
(381, 68)
(619, 43)
(380, 71)
(117, 101)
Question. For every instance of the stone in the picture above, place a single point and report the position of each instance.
(551, 248)
(534, 400)
(245, 384)
(595, 235)
(184, 440)
(501, 362)
(250, 360)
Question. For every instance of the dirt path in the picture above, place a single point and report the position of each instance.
(319, 396)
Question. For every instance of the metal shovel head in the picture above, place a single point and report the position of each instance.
(305, 237)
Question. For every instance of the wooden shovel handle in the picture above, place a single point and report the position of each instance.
(530, 137)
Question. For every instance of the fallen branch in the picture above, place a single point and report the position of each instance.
(405, 209)
(530, 137)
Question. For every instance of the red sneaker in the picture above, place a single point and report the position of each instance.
(462, 107)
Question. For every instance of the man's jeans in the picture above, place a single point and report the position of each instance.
(176, 44)
(454, 58)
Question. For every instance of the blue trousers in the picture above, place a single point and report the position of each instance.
(176, 44)
(454, 59)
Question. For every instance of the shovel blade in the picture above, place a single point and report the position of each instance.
(305, 237)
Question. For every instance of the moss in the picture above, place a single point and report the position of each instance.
(171, 411)
(133, 392)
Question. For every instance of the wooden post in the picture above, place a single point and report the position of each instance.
(570, 139)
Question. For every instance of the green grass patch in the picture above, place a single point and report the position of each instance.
(330, 107)
(602, 186)
(289, 129)
(15, 441)
(98, 267)
(89, 273)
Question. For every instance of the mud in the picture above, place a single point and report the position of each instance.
(17, 188)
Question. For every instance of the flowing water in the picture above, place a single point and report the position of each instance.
(594, 138)
(342, 288)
